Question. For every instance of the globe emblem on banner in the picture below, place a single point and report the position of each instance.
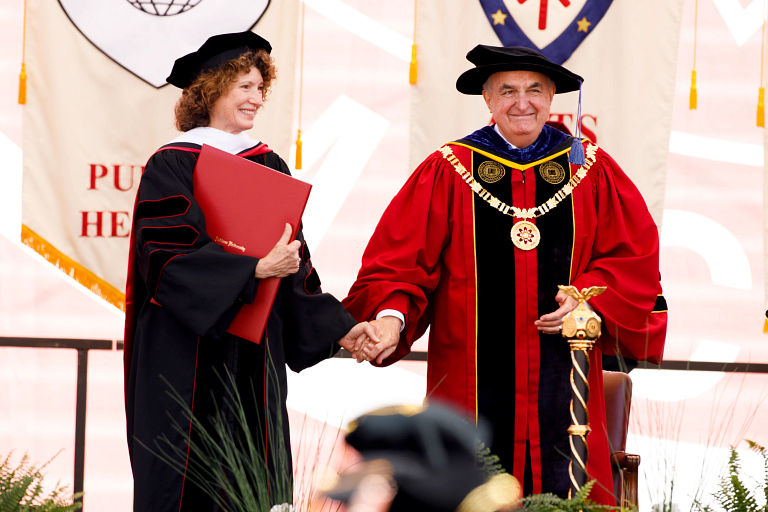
(553, 27)
(164, 8)
(157, 35)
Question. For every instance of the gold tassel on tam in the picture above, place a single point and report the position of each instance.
(414, 71)
(23, 86)
(694, 94)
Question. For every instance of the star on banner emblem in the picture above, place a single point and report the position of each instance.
(553, 27)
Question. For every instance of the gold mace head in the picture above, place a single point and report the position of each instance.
(582, 323)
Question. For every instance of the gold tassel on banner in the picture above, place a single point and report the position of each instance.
(761, 94)
(414, 71)
(301, 91)
(23, 74)
(298, 151)
(694, 93)
(23, 86)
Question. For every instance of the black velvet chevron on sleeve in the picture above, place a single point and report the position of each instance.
(192, 277)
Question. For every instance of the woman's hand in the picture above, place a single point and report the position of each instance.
(357, 337)
(283, 260)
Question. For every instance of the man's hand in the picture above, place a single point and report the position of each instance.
(388, 330)
(552, 323)
(283, 260)
(356, 337)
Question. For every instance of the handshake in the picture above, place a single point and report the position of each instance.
(374, 340)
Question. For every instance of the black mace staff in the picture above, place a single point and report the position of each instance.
(581, 327)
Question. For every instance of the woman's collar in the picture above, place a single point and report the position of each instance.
(229, 142)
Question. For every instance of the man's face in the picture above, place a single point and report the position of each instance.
(519, 102)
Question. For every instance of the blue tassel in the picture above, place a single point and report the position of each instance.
(576, 156)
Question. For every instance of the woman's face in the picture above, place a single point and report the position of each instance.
(234, 111)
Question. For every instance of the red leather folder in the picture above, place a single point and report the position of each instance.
(246, 206)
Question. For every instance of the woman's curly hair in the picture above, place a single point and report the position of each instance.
(194, 106)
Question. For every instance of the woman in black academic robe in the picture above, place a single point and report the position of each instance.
(183, 289)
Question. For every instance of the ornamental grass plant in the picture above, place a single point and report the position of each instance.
(675, 479)
(228, 463)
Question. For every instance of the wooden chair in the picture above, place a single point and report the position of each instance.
(618, 399)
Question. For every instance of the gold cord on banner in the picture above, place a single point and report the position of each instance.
(23, 74)
(301, 91)
(413, 74)
(694, 95)
(761, 91)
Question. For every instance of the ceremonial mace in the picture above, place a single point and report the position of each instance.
(581, 327)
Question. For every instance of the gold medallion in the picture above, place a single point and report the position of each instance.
(525, 235)
(490, 171)
(552, 172)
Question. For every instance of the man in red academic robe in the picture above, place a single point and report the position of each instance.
(474, 246)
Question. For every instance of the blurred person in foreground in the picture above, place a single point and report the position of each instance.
(183, 289)
(474, 246)
(421, 460)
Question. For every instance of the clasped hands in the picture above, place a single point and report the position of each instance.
(374, 340)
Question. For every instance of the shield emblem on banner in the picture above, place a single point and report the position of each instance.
(146, 36)
(553, 27)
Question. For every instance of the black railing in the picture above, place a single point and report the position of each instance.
(83, 346)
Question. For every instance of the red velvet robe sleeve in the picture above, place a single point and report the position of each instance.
(620, 249)
(401, 265)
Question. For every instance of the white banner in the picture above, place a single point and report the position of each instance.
(626, 52)
(97, 109)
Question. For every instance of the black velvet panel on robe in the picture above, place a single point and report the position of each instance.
(191, 289)
(496, 312)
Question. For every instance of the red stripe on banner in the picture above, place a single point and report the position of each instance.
(543, 15)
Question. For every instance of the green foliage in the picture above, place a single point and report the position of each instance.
(732, 494)
(487, 462)
(578, 503)
(21, 490)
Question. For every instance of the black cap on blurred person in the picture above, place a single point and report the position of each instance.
(431, 456)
